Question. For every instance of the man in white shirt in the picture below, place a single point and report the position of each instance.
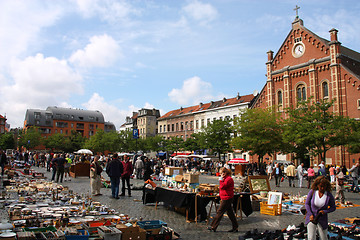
(300, 174)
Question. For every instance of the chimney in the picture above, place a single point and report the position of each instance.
(224, 99)
(333, 35)
(270, 55)
(238, 96)
(200, 104)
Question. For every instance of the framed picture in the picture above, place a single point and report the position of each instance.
(274, 198)
(259, 183)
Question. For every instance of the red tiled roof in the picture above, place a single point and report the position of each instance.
(135, 115)
(210, 105)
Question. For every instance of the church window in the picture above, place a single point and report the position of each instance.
(301, 92)
(325, 90)
(280, 98)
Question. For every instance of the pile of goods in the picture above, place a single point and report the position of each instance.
(38, 209)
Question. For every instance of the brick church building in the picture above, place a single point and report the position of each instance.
(307, 65)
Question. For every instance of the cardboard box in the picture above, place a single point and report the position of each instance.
(125, 229)
(179, 178)
(140, 235)
(191, 178)
(170, 171)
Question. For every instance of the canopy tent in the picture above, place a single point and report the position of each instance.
(84, 151)
(202, 157)
(177, 154)
(181, 156)
(238, 161)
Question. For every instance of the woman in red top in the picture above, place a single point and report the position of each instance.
(227, 197)
(311, 175)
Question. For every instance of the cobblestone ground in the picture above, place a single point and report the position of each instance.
(134, 208)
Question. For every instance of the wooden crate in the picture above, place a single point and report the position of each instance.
(270, 209)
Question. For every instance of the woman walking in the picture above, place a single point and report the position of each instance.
(227, 197)
(95, 177)
(311, 176)
(318, 204)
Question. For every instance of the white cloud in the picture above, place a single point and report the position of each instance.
(111, 112)
(107, 10)
(193, 91)
(37, 82)
(20, 25)
(102, 51)
(201, 12)
(342, 20)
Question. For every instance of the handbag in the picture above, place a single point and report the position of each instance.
(303, 210)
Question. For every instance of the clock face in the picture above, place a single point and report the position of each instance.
(298, 50)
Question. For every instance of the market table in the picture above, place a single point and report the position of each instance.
(193, 203)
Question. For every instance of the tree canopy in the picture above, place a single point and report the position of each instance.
(258, 131)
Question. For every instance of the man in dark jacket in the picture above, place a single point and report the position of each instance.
(125, 177)
(60, 166)
(114, 170)
(3, 161)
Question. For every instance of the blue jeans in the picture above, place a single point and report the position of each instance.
(115, 182)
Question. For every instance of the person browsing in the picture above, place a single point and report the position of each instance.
(227, 197)
(319, 203)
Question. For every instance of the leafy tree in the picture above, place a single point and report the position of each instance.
(7, 140)
(313, 127)
(97, 142)
(154, 143)
(353, 140)
(192, 144)
(127, 142)
(55, 142)
(217, 135)
(30, 138)
(75, 141)
(175, 144)
(258, 131)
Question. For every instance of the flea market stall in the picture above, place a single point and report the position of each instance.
(39, 209)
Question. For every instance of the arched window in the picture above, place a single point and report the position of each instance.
(301, 92)
(325, 89)
(280, 97)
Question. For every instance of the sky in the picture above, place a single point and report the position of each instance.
(120, 56)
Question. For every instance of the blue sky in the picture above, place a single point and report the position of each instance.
(119, 56)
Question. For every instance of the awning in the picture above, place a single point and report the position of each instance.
(238, 161)
(160, 154)
(175, 154)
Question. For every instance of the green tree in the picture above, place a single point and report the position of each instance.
(75, 141)
(154, 143)
(258, 131)
(97, 142)
(128, 143)
(55, 142)
(7, 141)
(353, 140)
(30, 138)
(217, 136)
(313, 127)
(175, 144)
(191, 144)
